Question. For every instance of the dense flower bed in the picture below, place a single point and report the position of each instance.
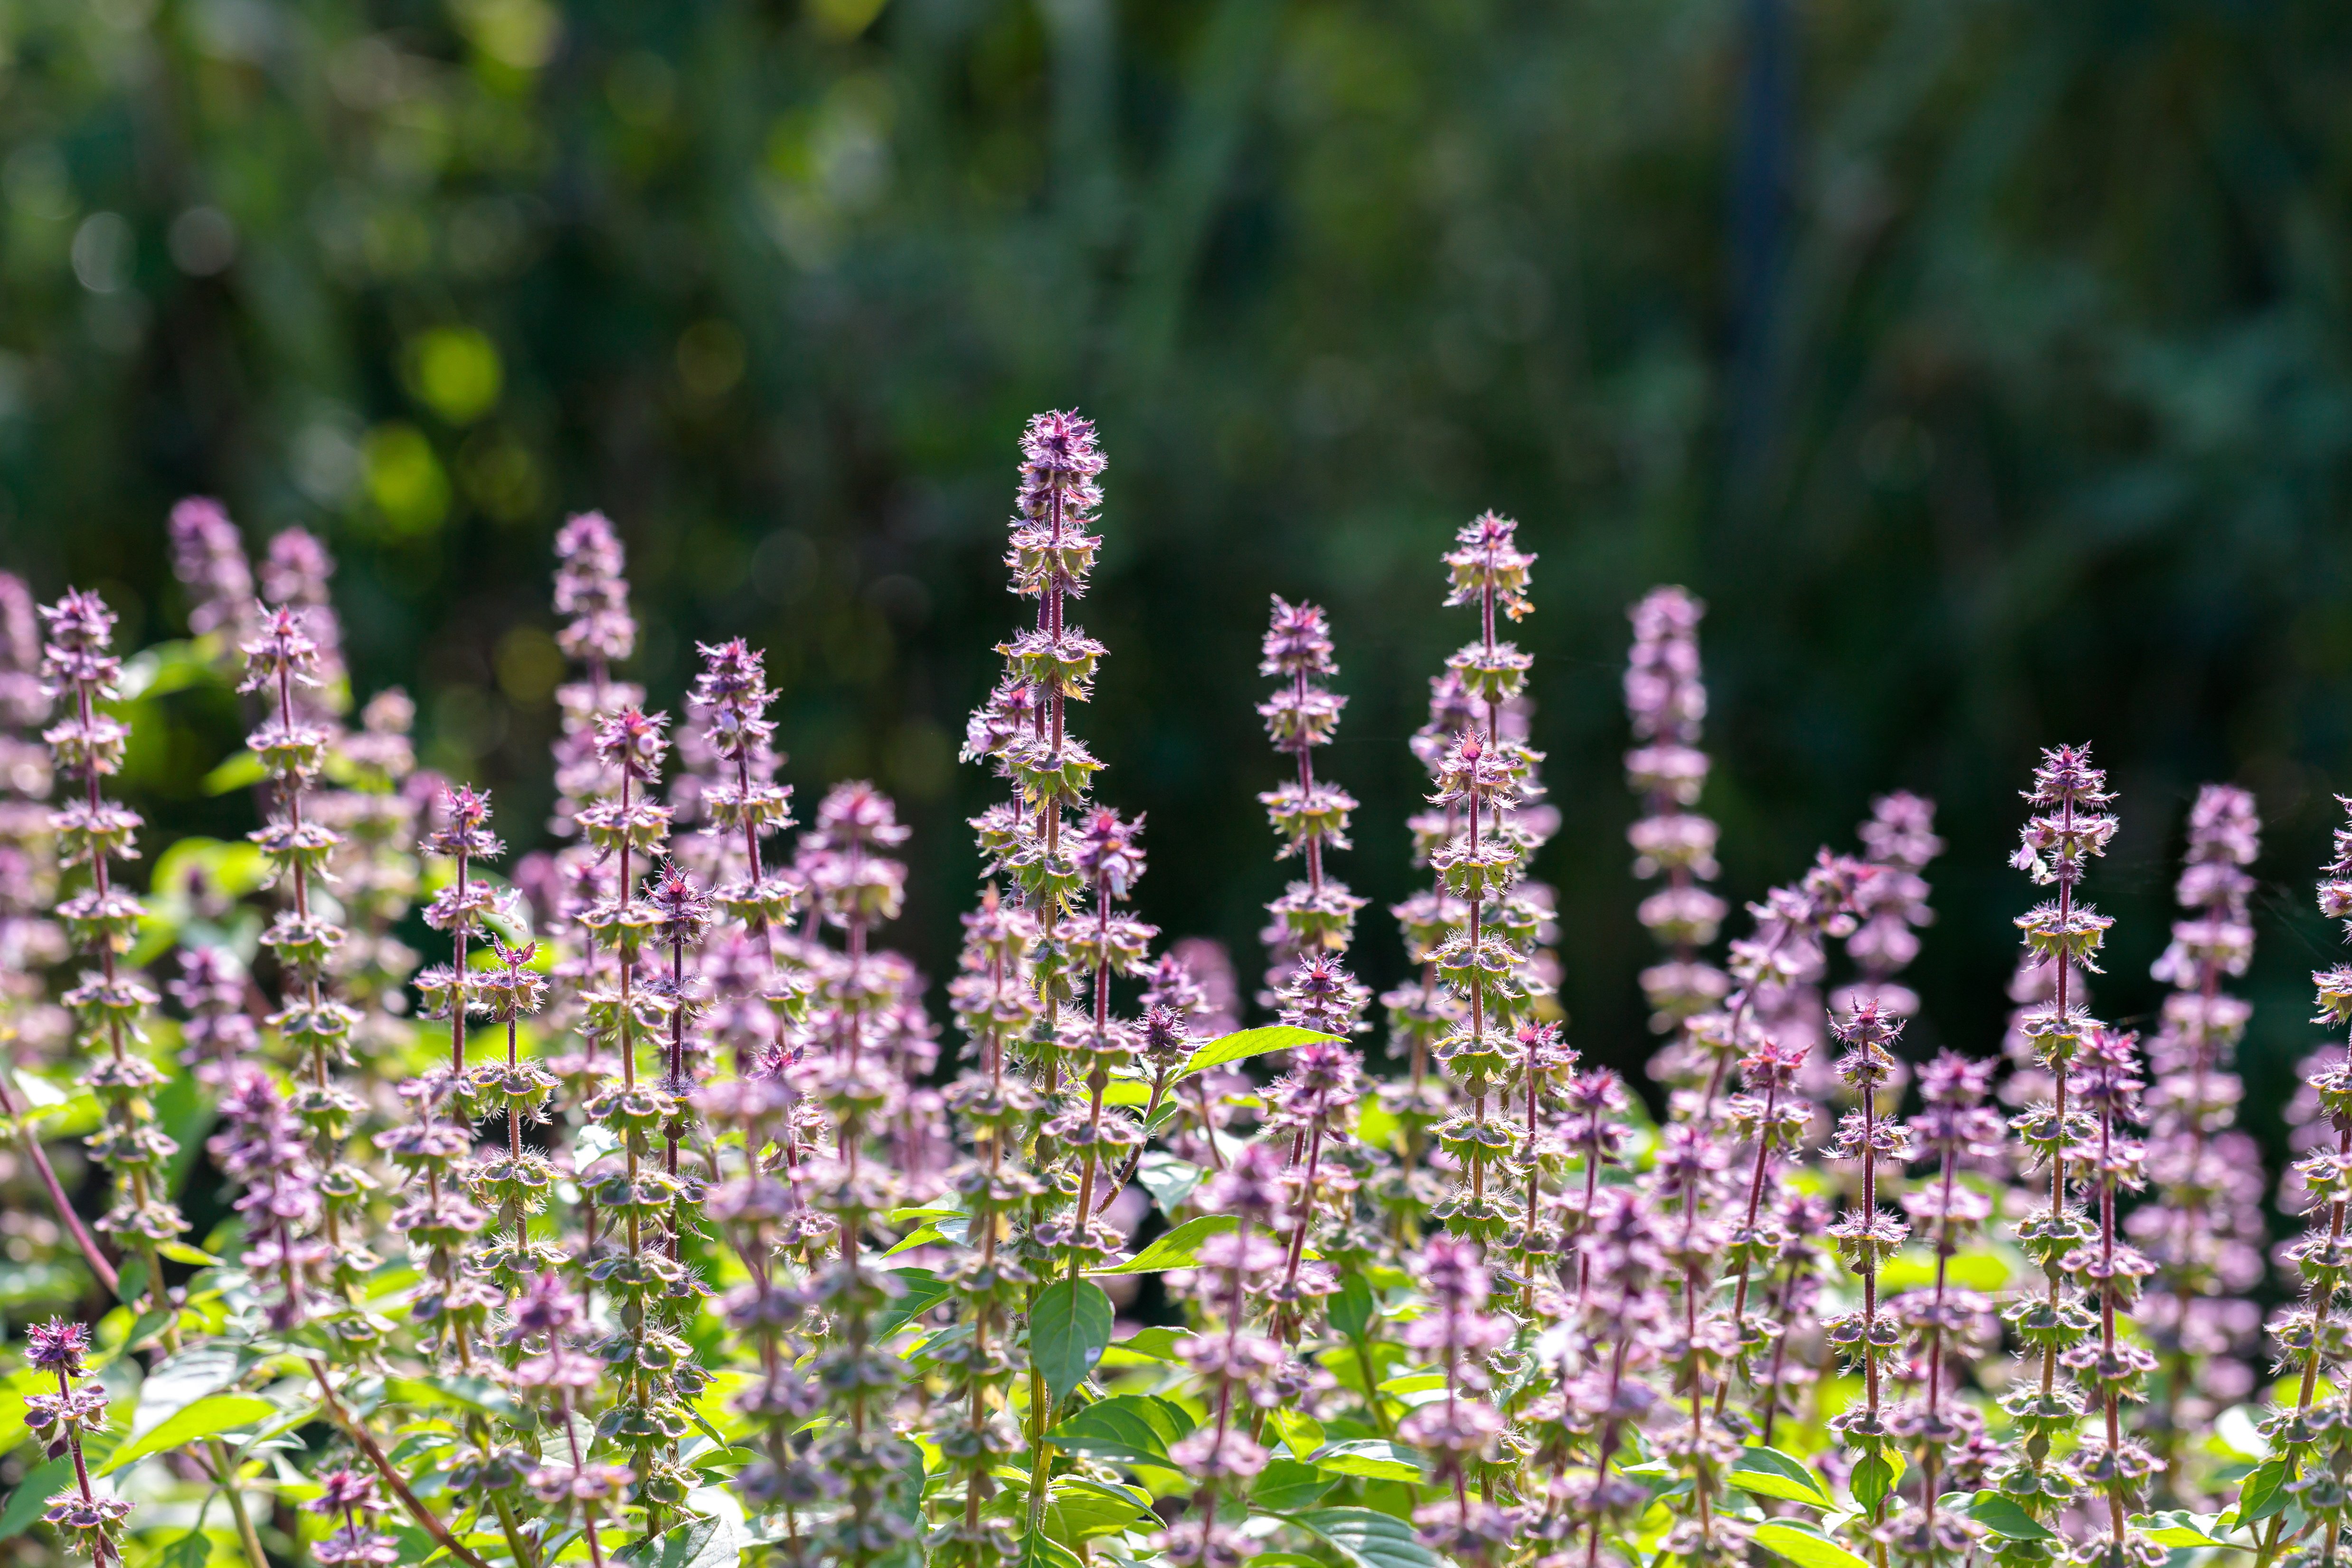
(647, 1223)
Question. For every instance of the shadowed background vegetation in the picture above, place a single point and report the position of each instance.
(1983, 365)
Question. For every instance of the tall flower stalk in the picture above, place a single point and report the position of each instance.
(1234, 1363)
(1665, 701)
(2110, 1369)
(1486, 960)
(1866, 1237)
(316, 1025)
(648, 1364)
(110, 999)
(2206, 1231)
(1954, 1128)
(2068, 826)
(2313, 1335)
(1314, 918)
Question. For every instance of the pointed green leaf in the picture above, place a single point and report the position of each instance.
(693, 1544)
(1300, 1432)
(2263, 1493)
(1178, 1249)
(1365, 1538)
(181, 1252)
(1039, 1550)
(193, 1550)
(1286, 1486)
(1768, 1472)
(1872, 1480)
(2005, 1516)
(921, 1236)
(1355, 1309)
(2179, 1527)
(1144, 1346)
(1803, 1547)
(205, 1418)
(923, 1291)
(180, 1381)
(1068, 1329)
(1247, 1043)
(1078, 1510)
(1126, 1429)
(1371, 1459)
(1168, 1180)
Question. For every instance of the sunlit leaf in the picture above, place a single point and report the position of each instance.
(1178, 1249)
(1768, 1472)
(1371, 1459)
(1804, 1547)
(1365, 1538)
(2005, 1516)
(2179, 1527)
(1068, 1328)
(1246, 1043)
(205, 1418)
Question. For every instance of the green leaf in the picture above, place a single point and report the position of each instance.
(1168, 1180)
(1078, 1510)
(1872, 1480)
(205, 1418)
(181, 1252)
(1039, 1550)
(241, 770)
(187, 1114)
(692, 1543)
(1805, 1548)
(1365, 1538)
(1373, 1458)
(921, 1236)
(1247, 1043)
(1068, 1329)
(31, 1497)
(924, 1290)
(1355, 1309)
(2005, 1516)
(1281, 1559)
(180, 1381)
(2179, 1527)
(1768, 1472)
(193, 1550)
(1286, 1486)
(2264, 1492)
(1154, 1344)
(1178, 1249)
(1125, 1429)
(1300, 1432)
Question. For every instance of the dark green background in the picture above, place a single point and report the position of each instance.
(1983, 364)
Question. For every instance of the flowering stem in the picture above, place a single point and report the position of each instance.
(1755, 1206)
(367, 1443)
(587, 1509)
(2109, 1393)
(1932, 1450)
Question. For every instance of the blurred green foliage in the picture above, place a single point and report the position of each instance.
(1986, 371)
